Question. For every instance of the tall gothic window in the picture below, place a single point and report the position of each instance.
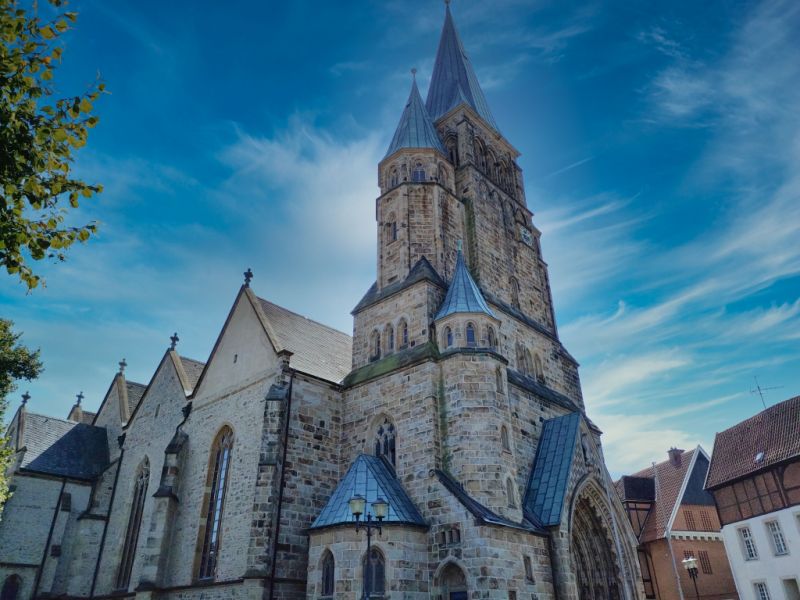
(385, 442)
(537, 368)
(374, 574)
(512, 501)
(216, 485)
(471, 335)
(418, 174)
(389, 333)
(402, 332)
(514, 293)
(134, 524)
(375, 346)
(504, 438)
(328, 580)
(11, 587)
(528, 362)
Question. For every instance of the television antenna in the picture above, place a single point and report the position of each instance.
(760, 390)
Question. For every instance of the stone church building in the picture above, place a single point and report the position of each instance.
(454, 401)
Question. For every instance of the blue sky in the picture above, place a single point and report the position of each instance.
(660, 144)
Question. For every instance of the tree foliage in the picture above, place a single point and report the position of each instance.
(39, 134)
(16, 362)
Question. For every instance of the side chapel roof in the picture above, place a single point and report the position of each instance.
(415, 129)
(463, 295)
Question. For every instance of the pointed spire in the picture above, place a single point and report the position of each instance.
(463, 295)
(454, 80)
(415, 129)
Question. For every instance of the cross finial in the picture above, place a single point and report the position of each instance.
(173, 340)
(248, 275)
(122, 364)
(79, 397)
(25, 397)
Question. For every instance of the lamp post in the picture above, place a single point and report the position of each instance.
(380, 507)
(690, 564)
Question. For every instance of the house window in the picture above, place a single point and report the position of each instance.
(385, 443)
(448, 337)
(134, 524)
(705, 562)
(512, 501)
(418, 174)
(748, 544)
(762, 592)
(471, 335)
(327, 575)
(528, 568)
(705, 521)
(374, 574)
(504, 438)
(402, 330)
(689, 518)
(778, 541)
(216, 485)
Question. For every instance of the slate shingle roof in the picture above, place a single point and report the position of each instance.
(316, 349)
(454, 80)
(634, 489)
(135, 393)
(421, 271)
(774, 431)
(463, 295)
(415, 129)
(547, 485)
(193, 369)
(370, 477)
(63, 448)
(88, 417)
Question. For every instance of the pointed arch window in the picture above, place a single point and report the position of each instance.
(448, 337)
(385, 442)
(375, 346)
(515, 293)
(471, 335)
(394, 178)
(504, 439)
(528, 363)
(537, 368)
(11, 587)
(512, 500)
(402, 332)
(134, 525)
(328, 579)
(491, 338)
(390, 228)
(216, 486)
(374, 574)
(389, 335)
(418, 174)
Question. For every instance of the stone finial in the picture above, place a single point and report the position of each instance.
(25, 397)
(79, 397)
(122, 364)
(414, 73)
(458, 245)
(173, 340)
(248, 275)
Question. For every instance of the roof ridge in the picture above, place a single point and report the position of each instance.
(35, 414)
(658, 464)
(199, 362)
(296, 314)
(767, 410)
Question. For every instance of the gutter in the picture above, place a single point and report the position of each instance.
(121, 440)
(49, 538)
(280, 489)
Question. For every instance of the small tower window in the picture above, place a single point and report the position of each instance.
(491, 338)
(499, 375)
(385, 443)
(537, 368)
(390, 228)
(328, 575)
(514, 293)
(512, 501)
(418, 174)
(375, 346)
(448, 337)
(528, 363)
(394, 179)
(528, 568)
(402, 331)
(504, 438)
(471, 335)
(389, 339)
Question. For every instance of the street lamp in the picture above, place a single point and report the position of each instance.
(690, 564)
(380, 508)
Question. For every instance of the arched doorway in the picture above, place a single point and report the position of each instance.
(11, 587)
(593, 556)
(452, 582)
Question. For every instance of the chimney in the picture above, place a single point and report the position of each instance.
(675, 456)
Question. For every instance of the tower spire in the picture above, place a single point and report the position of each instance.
(415, 129)
(454, 80)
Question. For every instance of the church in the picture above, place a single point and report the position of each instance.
(451, 423)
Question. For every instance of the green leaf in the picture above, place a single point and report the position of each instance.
(47, 32)
(85, 105)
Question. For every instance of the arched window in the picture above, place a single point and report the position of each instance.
(216, 485)
(134, 525)
(504, 438)
(390, 228)
(512, 501)
(328, 579)
(528, 363)
(418, 174)
(491, 165)
(480, 154)
(11, 587)
(520, 358)
(385, 443)
(471, 335)
(499, 375)
(403, 173)
(402, 332)
(442, 175)
(452, 151)
(374, 574)
(375, 346)
(515, 293)
(394, 178)
(448, 337)
(389, 335)
(537, 368)
(491, 338)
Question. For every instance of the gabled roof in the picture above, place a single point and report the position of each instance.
(454, 81)
(135, 393)
(63, 448)
(549, 478)
(415, 129)
(316, 349)
(775, 432)
(372, 478)
(193, 369)
(463, 295)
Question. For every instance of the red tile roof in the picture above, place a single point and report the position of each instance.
(775, 432)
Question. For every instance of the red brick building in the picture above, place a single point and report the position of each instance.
(674, 518)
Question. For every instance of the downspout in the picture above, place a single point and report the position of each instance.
(49, 538)
(121, 440)
(280, 488)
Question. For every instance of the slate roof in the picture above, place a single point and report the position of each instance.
(193, 369)
(547, 485)
(370, 477)
(463, 295)
(415, 129)
(88, 417)
(135, 393)
(422, 270)
(454, 81)
(641, 489)
(774, 431)
(63, 448)
(316, 349)
(530, 384)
